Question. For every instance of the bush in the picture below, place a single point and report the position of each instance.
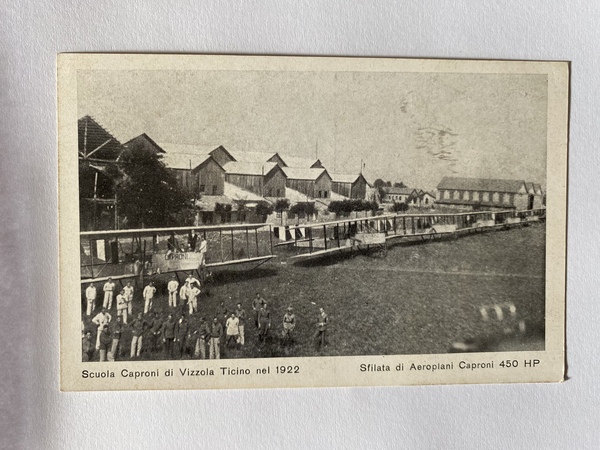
(264, 209)
(302, 209)
(399, 207)
(282, 204)
(345, 207)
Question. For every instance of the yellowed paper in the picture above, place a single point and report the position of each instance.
(461, 284)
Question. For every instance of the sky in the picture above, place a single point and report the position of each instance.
(401, 126)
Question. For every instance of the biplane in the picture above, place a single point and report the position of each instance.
(372, 233)
(121, 254)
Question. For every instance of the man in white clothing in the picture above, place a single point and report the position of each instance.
(90, 295)
(232, 330)
(193, 293)
(191, 280)
(203, 249)
(172, 287)
(109, 287)
(129, 296)
(183, 293)
(122, 306)
(148, 296)
(102, 319)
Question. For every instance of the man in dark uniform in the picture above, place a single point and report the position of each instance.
(264, 322)
(289, 323)
(168, 334)
(181, 331)
(257, 305)
(322, 325)
(216, 334)
(202, 334)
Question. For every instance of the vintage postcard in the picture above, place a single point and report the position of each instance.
(266, 222)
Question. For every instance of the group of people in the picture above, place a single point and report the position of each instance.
(184, 332)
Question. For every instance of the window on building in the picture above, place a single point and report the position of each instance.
(278, 192)
(324, 194)
(202, 188)
(320, 194)
(426, 201)
(214, 191)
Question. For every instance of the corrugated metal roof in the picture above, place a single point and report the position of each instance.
(398, 190)
(481, 184)
(296, 173)
(181, 161)
(209, 202)
(344, 177)
(475, 203)
(196, 149)
(249, 168)
(252, 157)
(95, 141)
(146, 138)
(298, 161)
(237, 193)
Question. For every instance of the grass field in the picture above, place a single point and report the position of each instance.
(417, 299)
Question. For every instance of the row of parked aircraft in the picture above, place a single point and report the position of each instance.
(123, 254)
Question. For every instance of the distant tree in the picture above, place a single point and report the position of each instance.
(148, 194)
(264, 209)
(399, 184)
(282, 204)
(345, 207)
(303, 208)
(388, 183)
(399, 207)
(379, 183)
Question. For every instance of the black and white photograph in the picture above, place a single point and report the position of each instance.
(289, 211)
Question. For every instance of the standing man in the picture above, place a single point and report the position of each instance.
(203, 334)
(193, 293)
(172, 287)
(168, 332)
(108, 289)
(183, 294)
(101, 319)
(264, 322)
(289, 323)
(129, 296)
(105, 342)
(203, 250)
(191, 280)
(87, 346)
(232, 327)
(155, 330)
(122, 306)
(90, 296)
(181, 330)
(139, 326)
(241, 315)
(115, 332)
(322, 325)
(257, 305)
(216, 333)
(148, 296)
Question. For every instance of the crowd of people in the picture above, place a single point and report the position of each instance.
(180, 329)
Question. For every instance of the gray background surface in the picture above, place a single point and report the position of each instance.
(34, 414)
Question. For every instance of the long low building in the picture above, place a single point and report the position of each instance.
(477, 193)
